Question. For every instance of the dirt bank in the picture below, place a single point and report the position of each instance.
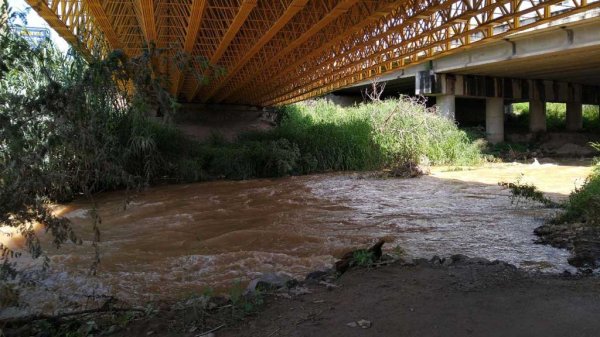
(432, 300)
(460, 297)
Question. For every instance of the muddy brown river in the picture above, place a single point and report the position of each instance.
(173, 241)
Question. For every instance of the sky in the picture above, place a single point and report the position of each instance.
(34, 20)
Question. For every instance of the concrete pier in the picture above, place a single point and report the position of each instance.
(494, 120)
(574, 116)
(447, 106)
(537, 115)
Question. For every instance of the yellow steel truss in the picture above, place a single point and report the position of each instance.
(279, 52)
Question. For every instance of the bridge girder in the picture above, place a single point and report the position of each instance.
(280, 52)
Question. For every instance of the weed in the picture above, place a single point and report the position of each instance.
(584, 202)
(363, 258)
(399, 251)
(528, 192)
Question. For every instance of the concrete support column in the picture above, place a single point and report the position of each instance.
(494, 119)
(574, 116)
(447, 106)
(537, 116)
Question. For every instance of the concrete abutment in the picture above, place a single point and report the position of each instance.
(450, 88)
(494, 119)
(447, 106)
(574, 116)
(537, 116)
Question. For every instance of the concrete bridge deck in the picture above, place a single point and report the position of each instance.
(558, 63)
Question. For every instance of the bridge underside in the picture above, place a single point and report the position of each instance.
(277, 52)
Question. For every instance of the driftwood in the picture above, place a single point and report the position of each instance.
(348, 260)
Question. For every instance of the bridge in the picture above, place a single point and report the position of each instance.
(280, 52)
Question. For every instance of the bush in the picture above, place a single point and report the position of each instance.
(319, 136)
(408, 131)
(584, 202)
(251, 159)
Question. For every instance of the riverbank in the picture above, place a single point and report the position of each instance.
(449, 296)
(453, 296)
(466, 297)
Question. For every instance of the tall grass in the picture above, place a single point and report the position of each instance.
(406, 130)
(584, 203)
(319, 136)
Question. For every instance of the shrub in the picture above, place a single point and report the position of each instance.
(584, 203)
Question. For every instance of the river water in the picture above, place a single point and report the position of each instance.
(173, 241)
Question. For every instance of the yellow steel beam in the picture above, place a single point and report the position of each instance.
(60, 23)
(148, 20)
(245, 10)
(340, 9)
(377, 63)
(295, 7)
(273, 76)
(278, 52)
(194, 24)
(104, 24)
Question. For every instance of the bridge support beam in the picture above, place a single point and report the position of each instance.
(447, 106)
(537, 115)
(574, 116)
(494, 119)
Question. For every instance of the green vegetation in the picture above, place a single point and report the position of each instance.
(584, 203)
(370, 136)
(555, 117)
(363, 258)
(319, 136)
(520, 191)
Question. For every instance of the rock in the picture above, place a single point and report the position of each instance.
(200, 302)
(363, 323)
(268, 282)
(447, 262)
(329, 286)
(479, 260)
(421, 262)
(459, 259)
(582, 261)
(318, 275)
(436, 260)
(293, 283)
(297, 291)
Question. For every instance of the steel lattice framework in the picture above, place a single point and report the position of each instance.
(283, 51)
